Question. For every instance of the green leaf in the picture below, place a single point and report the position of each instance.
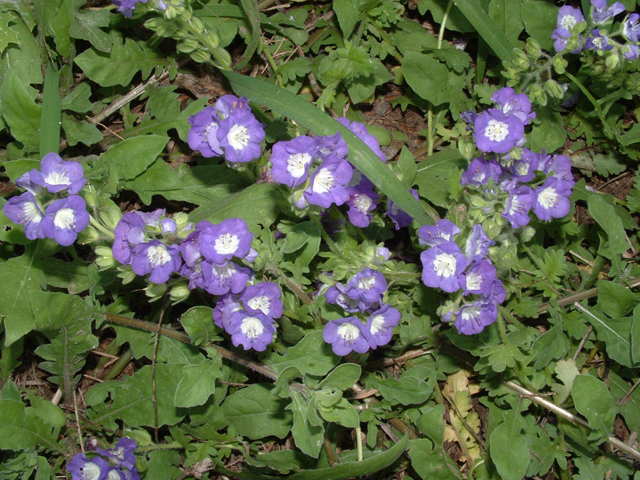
(255, 412)
(51, 113)
(342, 377)
(406, 165)
(7, 35)
(310, 356)
(604, 214)
(72, 276)
(506, 14)
(548, 131)
(250, 9)
(347, 13)
(615, 332)
(297, 67)
(342, 413)
(20, 110)
(134, 155)
(78, 100)
(433, 174)
(86, 25)
(456, 60)
(119, 66)
(361, 156)
(197, 383)
(632, 136)
(49, 413)
(486, 28)
(80, 132)
(615, 299)
(539, 20)
(427, 76)
(438, 8)
(635, 335)
(22, 429)
(407, 390)
(508, 447)
(299, 235)
(630, 409)
(592, 399)
(566, 372)
(198, 323)
(308, 437)
(428, 460)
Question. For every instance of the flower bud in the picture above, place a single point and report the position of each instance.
(155, 291)
(467, 147)
(110, 215)
(532, 48)
(179, 292)
(104, 258)
(213, 38)
(526, 233)
(491, 228)
(91, 197)
(612, 61)
(553, 89)
(89, 235)
(126, 274)
(200, 55)
(560, 64)
(188, 44)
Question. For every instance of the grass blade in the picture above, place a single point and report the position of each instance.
(51, 114)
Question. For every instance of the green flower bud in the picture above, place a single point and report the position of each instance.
(533, 49)
(126, 274)
(478, 202)
(526, 233)
(104, 258)
(213, 38)
(491, 228)
(612, 61)
(467, 147)
(155, 291)
(553, 89)
(200, 56)
(179, 292)
(90, 196)
(507, 257)
(188, 44)
(110, 215)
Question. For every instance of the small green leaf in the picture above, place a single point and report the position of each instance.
(197, 383)
(308, 437)
(407, 390)
(198, 322)
(508, 447)
(347, 13)
(593, 400)
(310, 356)
(342, 377)
(20, 110)
(134, 155)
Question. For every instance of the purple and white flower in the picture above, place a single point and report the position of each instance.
(602, 13)
(291, 160)
(251, 330)
(156, 258)
(227, 104)
(225, 306)
(568, 18)
(512, 103)
(497, 132)
(125, 7)
(57, 175)
(346, 335)
(122, 454)
(240, 135)
(332, 145)
(263, 297)
(25, 182)
(367, 287)
(479, 279)
(337, 294)
(477, 244)
(221, 279)
(552, 199)
(25, 210)
(518, 205)
(480, 171)
(630, 52)
(380, 325)
(442, 267)
(328, 183)
(64, 219)
(523, 169)
(362, 200)
(631, 29)
(596, 41)
(472, 318)
(442, 232)
(223, 241)
(360, 130)
(81, 468)
(400, 217)
(203, 135)
(559, 166)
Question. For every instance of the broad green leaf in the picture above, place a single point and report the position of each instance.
(428, 460)
(342, 413)
(72, 276)
(305, 114)
(342, 377)
(198, 323)
(170, 350)
(49, 413)
(548, 131)
(508, 447)
(566, 372)
(539, 20)
(134, 155)
(24, 60)
(592, 399)
(632, 136)
(299, 235)
(615, 299)
(197, 383)
(308, 437)
(119, 66)
(486, 28)
(250, 9)
(427, 76)
(86, 25)
(604, 214)
(407, 168)
(433, 174)
(310, 356)
(51, 112)
(80, 132)
(255, 412)
(282, 461)
(616, 333)
(133, 399)
(630, 409)
(22, 429)
(7, 35)
(10, 356)
(347, 13)
(455, 20)
(407, 390)
(20, 110)
(78, 99)
(506, 14)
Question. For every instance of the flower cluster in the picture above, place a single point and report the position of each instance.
(470, 272)
(125, 7)
(50, 207)
(571, 22)
(110, 464)
(228, 128)
(364, 292)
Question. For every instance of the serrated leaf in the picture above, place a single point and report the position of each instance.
(502, 356)
(7, 34)
(86, 25)
(566, 372)
(310, 356)
(20, 110)
(457, 60)
(120, 65)
(22, 429)
(608, 165)
(592, 399)
(255, 412)
(80, 132)
(197, 383)
(428, 461)
(298, 67)
(78, 100)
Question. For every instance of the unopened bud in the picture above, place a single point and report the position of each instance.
(179, 292)
(612, 61)
(155, 291)
(110, 215)
(560, 64)
(553, 89)
(533, 49)
(466, 147)
(105, 258)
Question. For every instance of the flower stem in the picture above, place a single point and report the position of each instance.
(101, 227)
(325, 236)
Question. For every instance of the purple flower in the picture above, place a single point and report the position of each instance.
(380, 325)
(472, 318)
(477, 245)
(240, 135)
(263, 297)
(221, 279)
(337, 294)
(442, 266)
(226, 305)
(568, 17)
(222, 241)
(480, 171)
(64, 219)
(479, 278)
(125, 7)
(346, 335)
(57, 175)
(552, 199)
(498, 294)
(596, 41)
(400, 217)
(631, 29)
(512, 103)
(362, 200)
(227, 104)
(328, 183)
(518, 205)
(190, 247)
(25, 182)
(129, 232)
(333, 145)
(82, 468)
(360, 130)
(122, 454)
(368, 287)
(630, 52)
(442, 232)
(559, 166)
(156, 258)
(251, 330)
(601, 13)
(203, 135)
(469, 117)
(524, 168)
(291, 160)
(194, 274)
(497, 132)
(24, 210)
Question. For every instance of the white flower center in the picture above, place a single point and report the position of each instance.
(262, 303)
(57, 178)
(31, 213)
(496, 131)
(251, 327)
(471, 314)
(548, 198)
(474, 281)
(114, 475)
(445, 265)
(91, 471)
(297, 164)
(65, 218)
(238, 137)
(479, 176)
(226, 244)
(366, 283)
(516, 206)
(324, 181)
(522, 168)
(223, 272)
(568, 22)
(378, 324)
(362, 202)
(348, 332)
(158, 255)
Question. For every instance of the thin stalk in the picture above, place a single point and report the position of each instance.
(503, 329)
(272, 63)
(325, 235)
(101, 227)
(359, 443)
(119, 365)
